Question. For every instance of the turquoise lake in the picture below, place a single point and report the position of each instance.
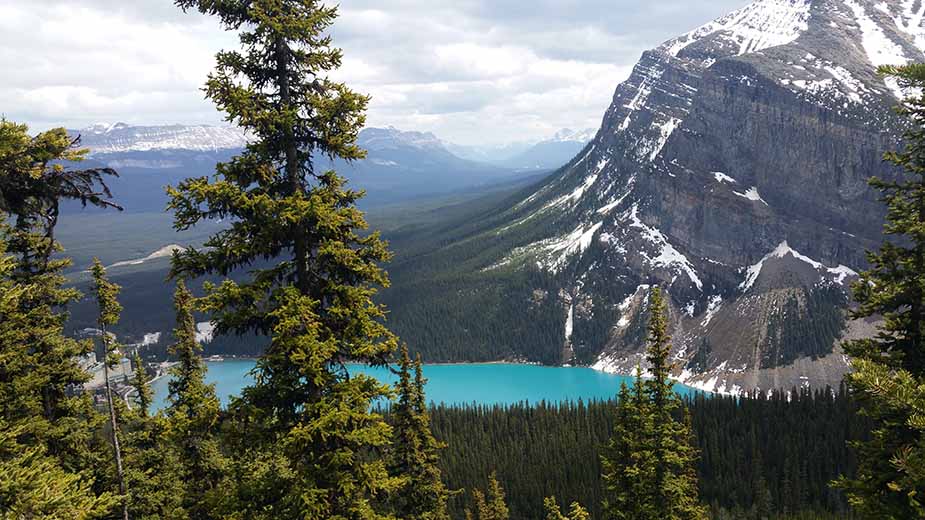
(455, 384)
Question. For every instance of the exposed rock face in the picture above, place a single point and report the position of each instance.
(732, 169)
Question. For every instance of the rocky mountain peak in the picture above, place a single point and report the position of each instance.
(731, 168)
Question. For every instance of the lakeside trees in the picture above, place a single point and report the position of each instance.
(648, 465)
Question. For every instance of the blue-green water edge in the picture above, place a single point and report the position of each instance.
(485, 384)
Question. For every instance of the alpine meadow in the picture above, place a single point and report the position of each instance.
(441, 260)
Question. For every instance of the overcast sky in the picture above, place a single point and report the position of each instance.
(472, 71)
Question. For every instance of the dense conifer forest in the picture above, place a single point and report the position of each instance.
(761, 456)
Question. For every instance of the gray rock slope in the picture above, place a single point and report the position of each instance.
(731, 168)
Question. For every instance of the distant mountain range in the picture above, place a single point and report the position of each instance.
(400, 164)
(547, 154)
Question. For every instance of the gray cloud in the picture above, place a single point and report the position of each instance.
(473, 71)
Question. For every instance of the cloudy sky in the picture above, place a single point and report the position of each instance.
(472, 71)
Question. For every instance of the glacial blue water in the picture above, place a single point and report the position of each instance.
(455, 384)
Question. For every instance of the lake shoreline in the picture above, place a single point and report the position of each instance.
(456, 384)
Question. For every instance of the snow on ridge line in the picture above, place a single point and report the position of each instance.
(783, 249)
(755, 27)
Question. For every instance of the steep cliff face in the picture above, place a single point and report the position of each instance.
(732, 169)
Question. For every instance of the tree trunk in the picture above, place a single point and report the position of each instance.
(117, 452)
(300, 248)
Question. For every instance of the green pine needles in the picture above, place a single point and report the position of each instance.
(889, 370)
(307, 418)
(648, 466)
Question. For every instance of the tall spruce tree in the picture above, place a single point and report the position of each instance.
(307, 417)
(106, 294)
(888, 377)
(193, 410)
(40, 370)
(143, 393)
(650, 474)
(415, 453)
(627, 459)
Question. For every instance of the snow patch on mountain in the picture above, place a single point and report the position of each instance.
(715, 303)
(667, 257)
(664, 132)
(569, 322)
(559, 250)
(205, 331)
(617, 200)
(722, 177)
(751, 194)
(649, 78)
(755, 27)
(909, 20)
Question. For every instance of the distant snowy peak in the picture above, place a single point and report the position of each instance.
(755, 27)
(375, 139)
(569, 135)
(102, 138)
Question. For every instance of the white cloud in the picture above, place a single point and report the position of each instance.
(473, 71)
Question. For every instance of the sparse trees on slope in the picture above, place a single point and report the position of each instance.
(649, 466)
(889, 370)
(306, 418)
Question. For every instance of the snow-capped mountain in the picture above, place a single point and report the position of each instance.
(399, 164)
(545, 154)
(569, 135)
(103, 138)
(731, 168)
(554, 152)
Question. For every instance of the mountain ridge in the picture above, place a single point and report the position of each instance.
(731, 168)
